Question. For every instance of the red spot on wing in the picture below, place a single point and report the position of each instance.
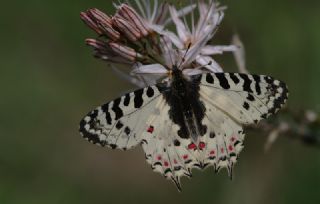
(212, 152)
(202, 145)
(150, 129)
(159, 157)
(230, 148)
(166, 163)
(192, 146)
(233, 139)
(185, 156)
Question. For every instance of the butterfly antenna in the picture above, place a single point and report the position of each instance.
(184, 56)
(169, 50)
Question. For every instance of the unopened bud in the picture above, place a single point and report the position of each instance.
(124, 51)
(134, 18)
(100, 22)
(97, 44)
(87, 19)
(131, 32)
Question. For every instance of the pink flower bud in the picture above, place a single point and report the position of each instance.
(124, 51)
(126, 28)
(100, 22)
(134, 18)
(110, 53)
(85, 16)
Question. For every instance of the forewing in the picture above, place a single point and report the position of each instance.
(120, 123)
(245, 98)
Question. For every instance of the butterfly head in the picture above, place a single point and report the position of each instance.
(175, 73)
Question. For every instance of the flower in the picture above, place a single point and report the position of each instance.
(142, 42)
(198, 34)
(156, 15)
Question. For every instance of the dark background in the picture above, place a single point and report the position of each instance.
(49, 80)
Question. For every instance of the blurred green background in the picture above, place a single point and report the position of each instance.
(49, 80)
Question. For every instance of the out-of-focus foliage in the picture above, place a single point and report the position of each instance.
(49, 81)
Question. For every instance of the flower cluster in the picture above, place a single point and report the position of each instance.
(142, 41)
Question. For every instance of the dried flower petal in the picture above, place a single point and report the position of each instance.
(216, 49)
(150, 69)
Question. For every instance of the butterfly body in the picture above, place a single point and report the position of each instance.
(186, 109)
(190, 122)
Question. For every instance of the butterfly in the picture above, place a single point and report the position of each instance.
(188, 122)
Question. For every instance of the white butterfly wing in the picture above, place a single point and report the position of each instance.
(245, 98)
(120, 123)
(167, 153)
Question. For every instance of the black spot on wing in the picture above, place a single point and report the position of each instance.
(93, 114)
(176, 143)
(223, 80)
(157, 164)
(209, 78)
(188, 161)
(127, 130)
(138, 100)
(279, 101)
(212, 135)
(223, 158)
(116, 109)
(246, 82)
(257, 83)
(232, 154)
(105, 109)
(212, 158)
(144, 141)
(250, 97)
(268, 79)
(119, 125)
(126, 100)
(108, 118)
(150, 92)
(167, 171)
(246, 105)
(93, 118)
(237, 143)
(234, 78)
(92, 137)
(113, 146)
